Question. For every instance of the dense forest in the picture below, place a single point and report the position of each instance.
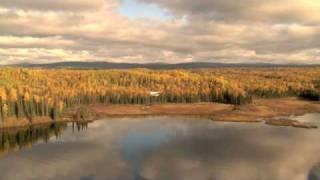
(29, 93)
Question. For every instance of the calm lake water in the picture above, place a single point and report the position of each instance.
(161, 148)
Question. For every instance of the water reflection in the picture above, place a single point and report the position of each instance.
(135, 145)
(13, 140)
(165, 148)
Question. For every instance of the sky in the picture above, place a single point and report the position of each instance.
(167, 31)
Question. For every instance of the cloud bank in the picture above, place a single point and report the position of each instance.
(274, 31)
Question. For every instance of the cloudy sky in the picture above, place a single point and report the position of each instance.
(171, 31)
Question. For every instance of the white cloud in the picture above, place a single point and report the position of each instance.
(226, 31)
(57, 5)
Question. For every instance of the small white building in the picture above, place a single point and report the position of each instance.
(154, 93)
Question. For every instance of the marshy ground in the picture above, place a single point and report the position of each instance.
(259, 110)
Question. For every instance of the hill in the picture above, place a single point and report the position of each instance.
(110, 65)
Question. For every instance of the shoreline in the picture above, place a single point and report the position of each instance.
(260, 110)
(38, 121)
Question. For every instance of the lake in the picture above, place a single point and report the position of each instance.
(161, 148)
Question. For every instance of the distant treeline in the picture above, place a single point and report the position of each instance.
(29, 93)
(275, 82)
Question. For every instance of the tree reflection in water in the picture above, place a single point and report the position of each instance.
(13, 140)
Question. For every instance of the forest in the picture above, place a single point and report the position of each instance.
(29, 93)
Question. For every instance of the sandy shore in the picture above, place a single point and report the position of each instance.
(259, 109)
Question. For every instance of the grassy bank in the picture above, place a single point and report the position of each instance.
(254, 112)
(260, 108)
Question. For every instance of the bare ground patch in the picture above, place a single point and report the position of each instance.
(259, 110)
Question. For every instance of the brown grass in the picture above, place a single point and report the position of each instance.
(255, 112)
(259, 110)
